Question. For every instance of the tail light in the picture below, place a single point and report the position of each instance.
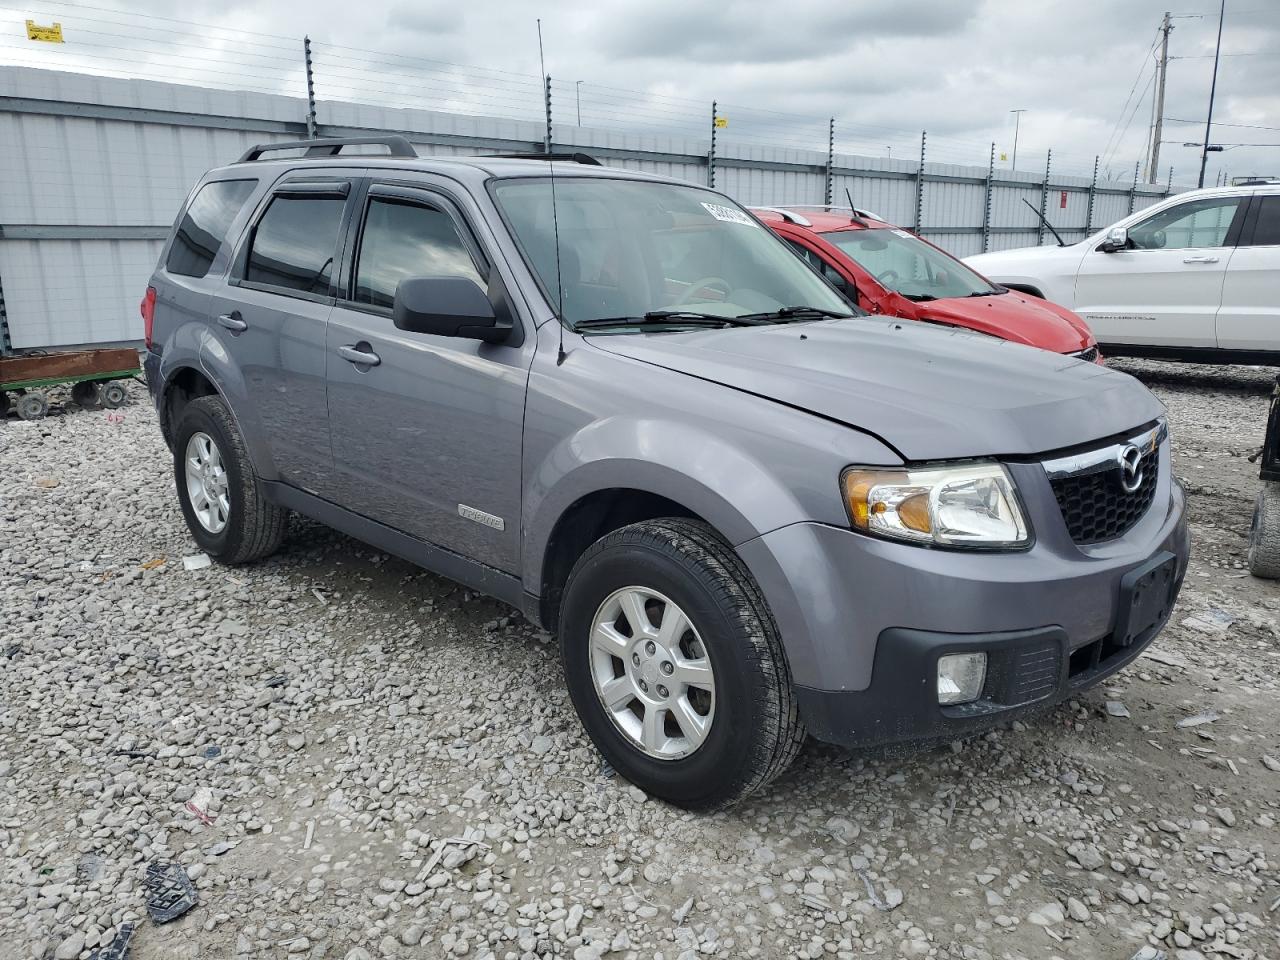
(148, 308)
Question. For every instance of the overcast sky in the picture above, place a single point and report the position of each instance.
(885, 68)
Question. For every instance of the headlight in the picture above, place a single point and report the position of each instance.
(967, 505)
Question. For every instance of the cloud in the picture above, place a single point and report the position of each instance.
(886, 69)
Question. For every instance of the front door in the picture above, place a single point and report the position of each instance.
(1167, 287)
(272, 321)
(426, 429)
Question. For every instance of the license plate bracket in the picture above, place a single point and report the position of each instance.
(1147, 594)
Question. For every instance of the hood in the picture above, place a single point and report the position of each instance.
(929, 392)
(1013, 316)
(1003, 261)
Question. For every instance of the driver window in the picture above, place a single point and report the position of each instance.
(1199, 223)
(403, 240)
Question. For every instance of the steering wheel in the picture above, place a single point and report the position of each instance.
(699, 285)
(887, 277)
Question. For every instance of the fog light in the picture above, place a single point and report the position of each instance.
(960, 677)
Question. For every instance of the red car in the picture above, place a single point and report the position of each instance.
(887, 270)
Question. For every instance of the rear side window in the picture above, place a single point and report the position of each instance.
(403, 240)
(204, 226)
(1267, 231)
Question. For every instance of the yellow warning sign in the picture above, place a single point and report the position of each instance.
(721, 122)
(49, 34)
(1004, 156)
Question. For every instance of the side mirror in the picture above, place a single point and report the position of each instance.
(1117, 239)
(447, 307)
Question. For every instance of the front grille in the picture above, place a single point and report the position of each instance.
(1088, 356)
(1095, 505)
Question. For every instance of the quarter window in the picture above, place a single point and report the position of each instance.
(403, 240)
(294, 244)
(204, 226)
(1266, 233)
(1198, 223)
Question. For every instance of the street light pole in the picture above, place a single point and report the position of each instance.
(1017, 122)
(1213, 86)
(577, 92)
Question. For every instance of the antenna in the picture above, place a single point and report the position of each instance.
(555, 220)
(853, 211)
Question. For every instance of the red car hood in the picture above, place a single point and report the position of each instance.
(1013, 316)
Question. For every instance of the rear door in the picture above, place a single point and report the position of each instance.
(1166, 290)
(426, 434)
(271, 322)
(1250, 315)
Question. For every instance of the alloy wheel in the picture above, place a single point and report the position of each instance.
(208, 486)
(652, 673)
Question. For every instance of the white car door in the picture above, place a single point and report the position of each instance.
(1166, 287)
(1250, 315)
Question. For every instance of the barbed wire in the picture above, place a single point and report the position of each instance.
(119, 43)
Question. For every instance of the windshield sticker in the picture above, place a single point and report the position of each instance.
(901, 233)
(728, 214)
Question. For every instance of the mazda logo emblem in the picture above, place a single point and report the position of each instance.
(1130, 460)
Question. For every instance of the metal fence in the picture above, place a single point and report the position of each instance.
(95, 167)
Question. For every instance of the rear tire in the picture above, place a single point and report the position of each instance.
(114, 395)
(32, 405)
(1264, 534)
(85, 394)
(753, 728)
(250, 527)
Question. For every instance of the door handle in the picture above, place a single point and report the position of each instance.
(1199, 259)
(232, 322)
(366, 358)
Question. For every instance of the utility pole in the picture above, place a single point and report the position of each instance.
(1017, 122)
(577, 92)
(1213, 87)
(311, 89)
(1153, 168)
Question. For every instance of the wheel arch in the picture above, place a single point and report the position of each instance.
(586, 520)
(183, 384)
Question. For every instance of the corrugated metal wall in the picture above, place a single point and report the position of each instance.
(95, 169)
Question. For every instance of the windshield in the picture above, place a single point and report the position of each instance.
(908, 265)
(631, 247)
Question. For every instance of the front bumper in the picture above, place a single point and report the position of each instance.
(1027, 670)
(864, 621)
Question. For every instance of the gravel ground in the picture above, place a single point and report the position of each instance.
(381, 764)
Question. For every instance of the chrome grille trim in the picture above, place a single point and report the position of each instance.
(1105, 458)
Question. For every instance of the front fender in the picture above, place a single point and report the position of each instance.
(679, 461)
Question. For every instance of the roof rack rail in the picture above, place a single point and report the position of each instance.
(788, 215)
(396, 147)
(585, 158)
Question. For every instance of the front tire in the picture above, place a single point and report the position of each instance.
(675, 665)
(223, 503)
(1264, 534)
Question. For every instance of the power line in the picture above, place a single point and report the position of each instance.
(152, 16)
(1142, 69)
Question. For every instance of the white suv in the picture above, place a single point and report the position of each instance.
(1194, 277)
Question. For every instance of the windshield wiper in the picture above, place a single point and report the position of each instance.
(665, 318)
(919, 297)
(784, 314)
(1045, 220)
(988, 293)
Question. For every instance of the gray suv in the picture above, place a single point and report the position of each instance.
(621, 405)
